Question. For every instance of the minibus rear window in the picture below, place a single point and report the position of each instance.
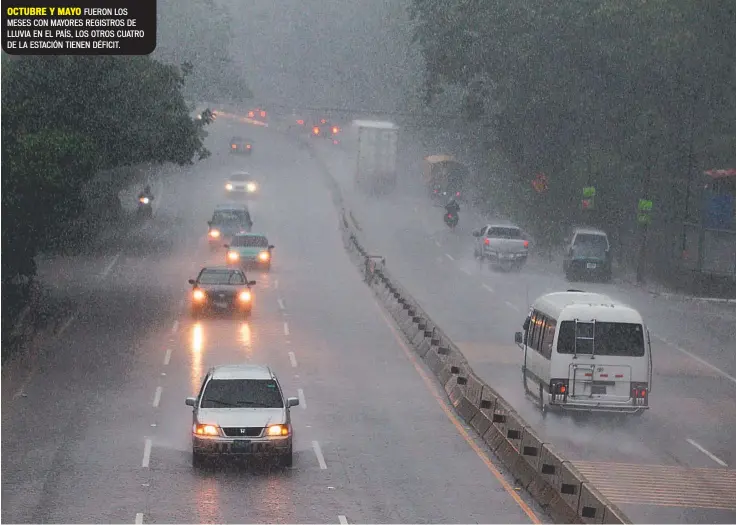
(613, 339)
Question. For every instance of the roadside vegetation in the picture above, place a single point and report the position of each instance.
(636, 99)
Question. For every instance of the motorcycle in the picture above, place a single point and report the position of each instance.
(451, 219)
(145, 209)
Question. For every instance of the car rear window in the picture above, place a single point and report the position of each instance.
(242, 393)
(613, 339)
(250, 241)
(504, 233)
(599, 242)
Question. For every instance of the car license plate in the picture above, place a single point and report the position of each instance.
(598, 390)
(241, 446)
(221, 305)
(592, 266)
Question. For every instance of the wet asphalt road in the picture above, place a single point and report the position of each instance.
(95, 429)
(673, 465)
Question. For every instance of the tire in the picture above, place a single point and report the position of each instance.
(196, 314)
(287, 459)
(569, 276)
(198, 460)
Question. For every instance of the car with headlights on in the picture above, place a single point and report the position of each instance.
(227, 220)
(241, 412)
(250, 250)
(241, 185)
(240, 145)
(219, 289)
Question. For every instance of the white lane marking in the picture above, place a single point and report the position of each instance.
(449, 256)
(286, 328)
(281, 304)
(67, 324)
(512, 306)
(698, 359)
(292, 359)
(487, 287)
(146, 454)
(343, 519)
(167, 357)
(318, 453)
(276, 284)
(109, 266)
(157, 396)
(438, 244)
(175, 327)
(465, 271)
(302, 399)
(139, 518)
(707, 453)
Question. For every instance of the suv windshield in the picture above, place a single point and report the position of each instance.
(250, 241)
(619, 339)
(590, 244)
(221, 277)
(238, 177)
(224, 217)
(242, 393)
(504, 233)
(236, 139)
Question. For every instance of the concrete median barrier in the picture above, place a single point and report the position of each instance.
(553, 481)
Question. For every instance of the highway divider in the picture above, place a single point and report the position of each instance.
(552, 480)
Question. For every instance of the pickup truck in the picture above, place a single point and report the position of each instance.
(504, 245)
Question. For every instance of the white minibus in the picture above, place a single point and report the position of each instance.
(586, 352)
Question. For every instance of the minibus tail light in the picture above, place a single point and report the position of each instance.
(558, 390)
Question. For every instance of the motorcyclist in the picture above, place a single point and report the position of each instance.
(452, 206)
(146, 193)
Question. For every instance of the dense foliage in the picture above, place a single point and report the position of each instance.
(630, 97)
(66, 118)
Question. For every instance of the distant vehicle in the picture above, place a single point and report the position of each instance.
(241, 184)
(258, 114)
(586, 352)
(250, 250)
(241, 145)
(445, 177)
(377, 153)
(241, 412)
(503, 245)
(587, 255)
(221, 289)
(326, 129)
(228, 220)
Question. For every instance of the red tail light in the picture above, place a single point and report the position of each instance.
(263, 114)
(526, 244)
(300, 122)
(251, 114)
(639, 390)
(487, 242)
(558, 389)
(323, 121)
(457, 194)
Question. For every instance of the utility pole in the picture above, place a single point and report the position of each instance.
(643, 212)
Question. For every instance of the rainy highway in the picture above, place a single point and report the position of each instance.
(95, 428)
(674, 464)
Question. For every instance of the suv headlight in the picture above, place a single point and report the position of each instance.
(206, 430)
(278, 430)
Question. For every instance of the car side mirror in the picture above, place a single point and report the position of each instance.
(292, 401)
(271, 246)
(226, 246)
(518, 338)
(192, 282)
(251, 283)
(191, 401)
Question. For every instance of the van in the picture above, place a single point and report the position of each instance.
(586, 352)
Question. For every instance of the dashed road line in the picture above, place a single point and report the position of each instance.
(286, 328)
(167, 357)
(512, 306)
(292, 359)
(175, 327)
(139, 518)
(449, 256)
(318, 453)
(487, 287)
(302, 399)
(146, 454)
(157, 396)
(281, 304)
(343, 520)
(707, 452)
(109, 267)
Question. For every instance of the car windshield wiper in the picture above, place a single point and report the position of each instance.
(221, 402)
(255, 404)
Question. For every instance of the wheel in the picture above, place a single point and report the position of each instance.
(196, 314)
(198, 460)
(287, 459)
(569, 276)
